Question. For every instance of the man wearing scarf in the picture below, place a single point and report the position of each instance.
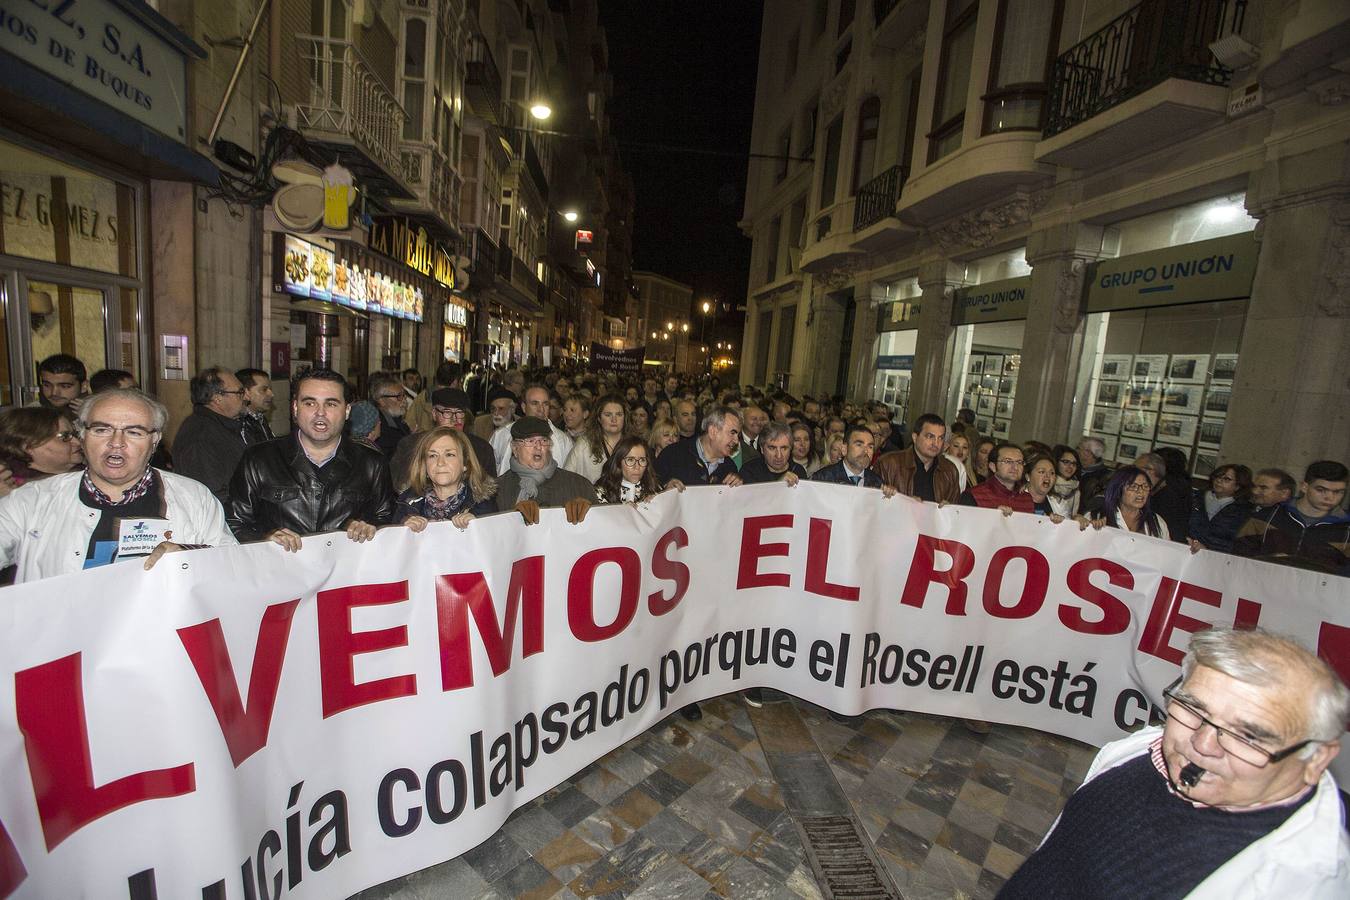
(533, 480)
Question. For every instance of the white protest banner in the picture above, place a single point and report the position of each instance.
(245, 723)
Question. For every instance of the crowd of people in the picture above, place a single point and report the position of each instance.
(482, 440)
(86, 480)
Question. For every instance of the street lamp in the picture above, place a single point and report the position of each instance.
(571, 215)
(541, 110)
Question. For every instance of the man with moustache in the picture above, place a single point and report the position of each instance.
(1230, 798)
(312, 480)
(117, 508)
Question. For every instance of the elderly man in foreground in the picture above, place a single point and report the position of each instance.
(1231, 798)
(119, 508)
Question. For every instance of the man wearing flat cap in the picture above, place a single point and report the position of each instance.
(533, 479)
(449, 409)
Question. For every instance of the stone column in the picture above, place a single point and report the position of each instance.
(1291, 394)
(1052, 342)
(933, 354)
(860, 366)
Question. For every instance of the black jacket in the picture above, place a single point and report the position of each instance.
(207, 448)
(680, 460)
(835, 474)
(256, 428)
(757, 471)
(391, 432)
(1217, 533)
(276, 486)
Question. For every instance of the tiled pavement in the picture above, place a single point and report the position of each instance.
(712, 810)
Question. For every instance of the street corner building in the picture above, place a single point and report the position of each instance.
(365, 185)
(1104, 217)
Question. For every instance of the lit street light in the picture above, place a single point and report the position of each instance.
(541, 110)
(571, 215)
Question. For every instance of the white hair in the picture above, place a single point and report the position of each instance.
(1258, 657)
(159, 413)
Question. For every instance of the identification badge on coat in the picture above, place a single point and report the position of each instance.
(137, 537)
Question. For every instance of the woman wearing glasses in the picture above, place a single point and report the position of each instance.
(37, 442)
(1065, 494)
(1125, 504)
(628, 475)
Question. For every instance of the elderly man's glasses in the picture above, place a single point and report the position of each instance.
(535, 442)
(130, 432)
(446, 412)
(1187, 716)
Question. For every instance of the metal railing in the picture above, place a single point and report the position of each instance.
(522, 145)
(481, 72)
(1148, 44)
(484, 257)
(348, 98)
(876, 199)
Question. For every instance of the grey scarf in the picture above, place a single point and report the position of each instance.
(530, 479)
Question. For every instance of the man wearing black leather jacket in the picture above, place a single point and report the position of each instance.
(312, 480)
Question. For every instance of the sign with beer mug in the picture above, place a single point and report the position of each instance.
(338, 196)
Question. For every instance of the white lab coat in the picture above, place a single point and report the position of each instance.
(45, 529)
(1306, 857)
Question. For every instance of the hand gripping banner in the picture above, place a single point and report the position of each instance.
(246, 723)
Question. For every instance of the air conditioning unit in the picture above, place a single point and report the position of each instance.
(1235, 52)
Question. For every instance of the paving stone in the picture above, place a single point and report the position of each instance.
(528, 881)
(495, 857)
(667, 829)
(571, 806)
(532, 827)
(673, 881)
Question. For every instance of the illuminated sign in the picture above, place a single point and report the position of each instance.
(308, 270)
(585, 238)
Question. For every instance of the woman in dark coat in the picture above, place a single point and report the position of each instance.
(1217, 512)
(446, 482)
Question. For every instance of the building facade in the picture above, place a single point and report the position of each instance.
(355, 183)
(665, 323)
(1072, 216)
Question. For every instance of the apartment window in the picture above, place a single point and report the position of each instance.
(949, 107)
(787, 327)
(911, 118)
(1018, 78)
(771, 250)
(762, 346)
(841, 57)
(865, 150)
(796, 221)
(784, 153)
(830, 170)
(468, 167)
(414, 77)
(790, 64)
(808, 142)
(518, 83)
(846, 10)
(329, 19)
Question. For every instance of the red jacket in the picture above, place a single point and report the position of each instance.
(991, 494)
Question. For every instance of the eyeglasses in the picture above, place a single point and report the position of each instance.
(65, 437)
(130, 432)
(1137, 487)
(1234, 744)
(640, 461)
(535, 441)
(1068, 461)
(448, 413)
(238, 393)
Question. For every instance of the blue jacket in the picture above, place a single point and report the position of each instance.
(835, 474)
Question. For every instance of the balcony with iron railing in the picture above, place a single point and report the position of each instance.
(484, 258)
(1148, 73)
(349, 106)
(483, 80)
(876, 199)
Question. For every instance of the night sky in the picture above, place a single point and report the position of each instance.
(684, 75)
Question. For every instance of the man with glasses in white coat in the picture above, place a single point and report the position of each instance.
(1230, 798)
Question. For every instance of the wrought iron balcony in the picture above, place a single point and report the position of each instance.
(876, 199)
(483, 80)
(522, 145)
(349, 103)
(484, 258)
(1154, 41)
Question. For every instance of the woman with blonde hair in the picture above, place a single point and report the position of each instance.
(664, 433)
(960, 451)
(446, 482)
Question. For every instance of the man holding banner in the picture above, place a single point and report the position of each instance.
(1230, 798)
(118, 508)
